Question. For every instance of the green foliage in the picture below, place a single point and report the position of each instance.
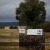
(46, 27)
(31, 13)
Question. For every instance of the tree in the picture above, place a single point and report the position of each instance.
(31, 13)
(46, 27)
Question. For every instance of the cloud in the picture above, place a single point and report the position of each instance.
(7, 9)
(47, 10)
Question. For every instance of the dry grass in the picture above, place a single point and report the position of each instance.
(9, 39)
(9, 47)
(47, 39)
(9, 35)
(13, 35)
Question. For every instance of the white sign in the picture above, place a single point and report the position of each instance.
(35, 32)
(21, 30)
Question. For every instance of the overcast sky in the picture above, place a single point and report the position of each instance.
(7, 10)
(47, 9)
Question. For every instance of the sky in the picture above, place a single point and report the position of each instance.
(47, 10)
(8, 10)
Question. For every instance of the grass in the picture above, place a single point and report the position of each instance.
(47, 47)
(9, 37)
(9, 43)
(14, 34)
(11, 34)
(9, 47)
(47, 39)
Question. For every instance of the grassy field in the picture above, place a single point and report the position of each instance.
(47, 39)
(9, 39)
(9, 47)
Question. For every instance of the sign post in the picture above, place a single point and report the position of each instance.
(32, 39)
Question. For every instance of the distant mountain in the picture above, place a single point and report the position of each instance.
(9, 23)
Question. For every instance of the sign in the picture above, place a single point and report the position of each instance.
(21, 30)
(34, 31)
